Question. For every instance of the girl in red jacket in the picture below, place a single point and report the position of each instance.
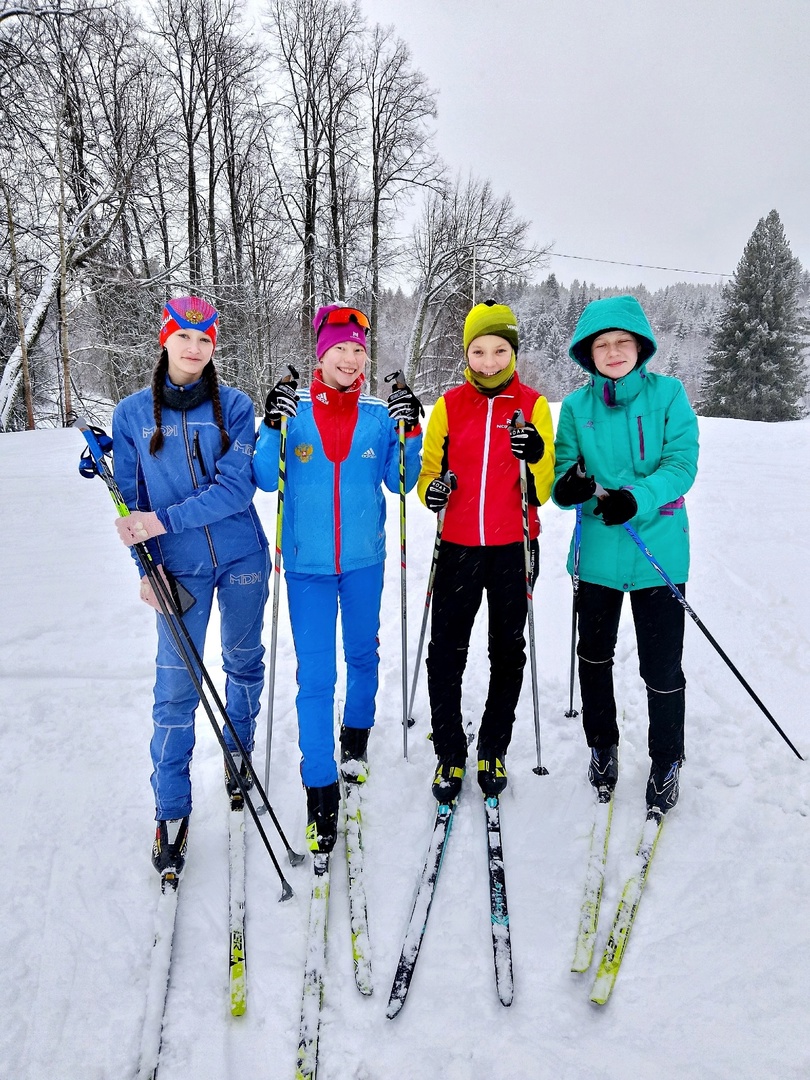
(471, 433)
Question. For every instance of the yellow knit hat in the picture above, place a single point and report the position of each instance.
(491, 318)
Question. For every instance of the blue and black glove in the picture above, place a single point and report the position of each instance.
(281, 401)
(403, 404)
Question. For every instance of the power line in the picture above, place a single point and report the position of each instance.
(643, 266)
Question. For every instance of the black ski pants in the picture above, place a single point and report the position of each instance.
(462, 575)
(659, 622)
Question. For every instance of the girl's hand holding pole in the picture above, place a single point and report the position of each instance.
(403, 404)
(138, 527)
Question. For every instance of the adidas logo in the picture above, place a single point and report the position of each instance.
(369, 453)
(322, 398)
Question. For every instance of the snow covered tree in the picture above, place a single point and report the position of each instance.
(755, 369)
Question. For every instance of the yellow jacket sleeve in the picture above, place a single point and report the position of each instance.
(433, 448)
(543, 470)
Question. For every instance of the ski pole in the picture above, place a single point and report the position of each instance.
(399, 384)
(676, 592)
(184, 643)
(519, 421)
(292, 378)
(449, 478)
(575, 581)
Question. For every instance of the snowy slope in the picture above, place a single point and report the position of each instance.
(715, 982)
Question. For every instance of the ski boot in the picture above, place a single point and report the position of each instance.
(447, 781)
(663, 787)
(354, 754)
(169, 851)
(232, 787)
(603, 771)
(322, 817)
(491, 772)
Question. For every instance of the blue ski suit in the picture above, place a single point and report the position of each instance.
(341, 449)
(214, 541)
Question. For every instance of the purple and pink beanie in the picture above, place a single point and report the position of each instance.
(328, 334)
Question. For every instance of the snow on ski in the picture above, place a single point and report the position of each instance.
(236, 905)
(358, 912)
(312, 997)
(594, 883)
(626, 912)
(158, 986)
(498, 909)
(421, 909)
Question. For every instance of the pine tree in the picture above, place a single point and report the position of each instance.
(755, 369)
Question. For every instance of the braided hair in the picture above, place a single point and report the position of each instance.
(209, 375)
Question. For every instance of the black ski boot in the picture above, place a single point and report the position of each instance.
(663, 787)
(322, 817)
(169, 849)
(603, 771)
(491, 772)
(354, 754)
(447, 781)
(231, 786)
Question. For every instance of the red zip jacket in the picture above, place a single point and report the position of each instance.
(468, 433)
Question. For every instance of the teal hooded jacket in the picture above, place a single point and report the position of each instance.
(638, 432)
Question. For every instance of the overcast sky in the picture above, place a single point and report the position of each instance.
(643, 131)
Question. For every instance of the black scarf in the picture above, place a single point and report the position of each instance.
(174, 397)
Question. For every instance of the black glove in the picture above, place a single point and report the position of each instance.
(574, 486)
(403, 404)
(527, 443)
(617, 506)
(437, 493)
(281, 401)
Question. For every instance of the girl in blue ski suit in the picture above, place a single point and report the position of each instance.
(341, 448)
(183, 450)
(635, 433)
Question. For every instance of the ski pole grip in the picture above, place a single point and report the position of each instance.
(291, 376)
(81, 423)
(396, 378)
(519, 420)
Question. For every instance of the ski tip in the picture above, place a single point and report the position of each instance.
(394, 1007)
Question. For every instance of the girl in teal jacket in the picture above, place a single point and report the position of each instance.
(635, 433)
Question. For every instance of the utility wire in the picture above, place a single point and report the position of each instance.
(643, 266)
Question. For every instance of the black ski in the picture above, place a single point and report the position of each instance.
(498, 909)
(421, 909)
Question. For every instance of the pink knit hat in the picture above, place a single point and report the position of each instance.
(189, 313)
(336, 323)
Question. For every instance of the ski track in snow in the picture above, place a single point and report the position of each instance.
(715, 981)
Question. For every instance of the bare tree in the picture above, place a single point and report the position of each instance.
(466, 239)
(400, 106)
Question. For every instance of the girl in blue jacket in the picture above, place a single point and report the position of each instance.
(183, 450)
(635, 433)
(341, 448)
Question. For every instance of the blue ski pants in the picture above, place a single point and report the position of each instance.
(241, 588)
(313, 601)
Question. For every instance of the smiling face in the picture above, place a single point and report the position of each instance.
(614, 353)
(343, 364)
(489, 354)
(189, 351)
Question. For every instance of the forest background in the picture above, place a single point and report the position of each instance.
(271, 164)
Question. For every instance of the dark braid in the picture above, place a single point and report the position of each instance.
(210, 375)
(158, 380)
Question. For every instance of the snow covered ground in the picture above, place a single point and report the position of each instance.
(716, 979)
